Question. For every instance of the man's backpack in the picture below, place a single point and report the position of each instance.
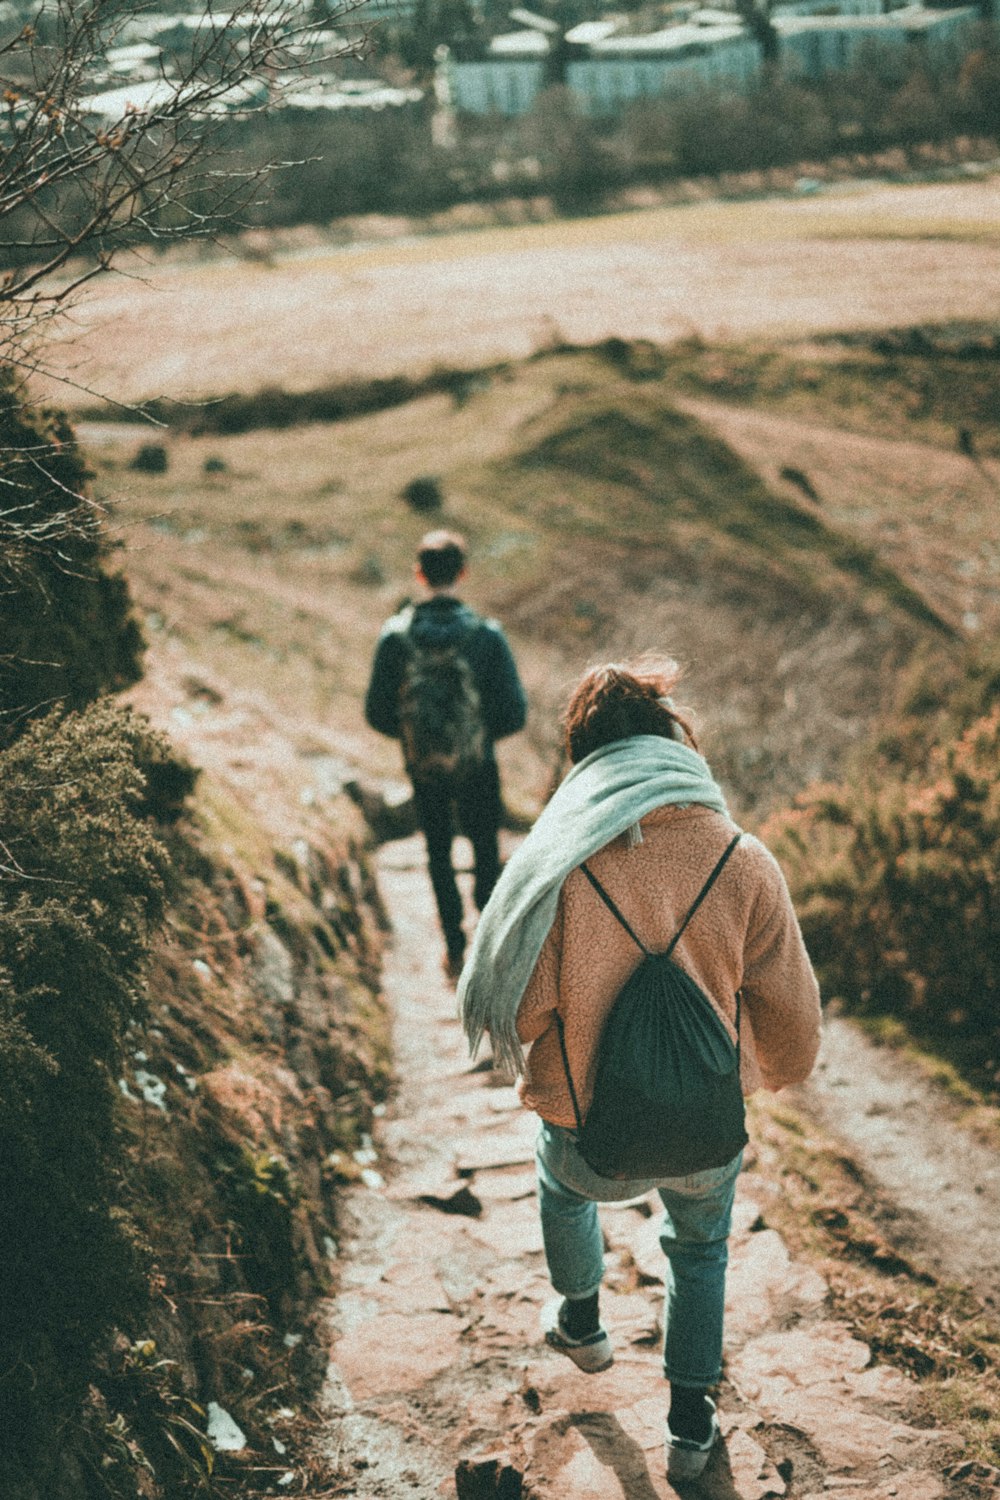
(441, 724)
(667, 1097)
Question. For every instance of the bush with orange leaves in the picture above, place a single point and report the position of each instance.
(896, 876)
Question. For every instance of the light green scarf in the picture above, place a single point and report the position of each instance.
(600, 798)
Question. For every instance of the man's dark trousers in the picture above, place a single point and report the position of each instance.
(474, 802)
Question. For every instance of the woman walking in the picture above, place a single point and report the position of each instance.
(634, 852)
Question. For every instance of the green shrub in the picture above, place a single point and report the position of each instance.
(424, 493)
(65, 620)
(937, 702)
(81, 886)
(896, 876)
(152, 458)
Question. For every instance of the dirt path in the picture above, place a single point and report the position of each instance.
(436, 1364)
(942, 1185)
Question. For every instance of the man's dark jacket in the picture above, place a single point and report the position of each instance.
(445, 621)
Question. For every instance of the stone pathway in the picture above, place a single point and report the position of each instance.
(439, 1385)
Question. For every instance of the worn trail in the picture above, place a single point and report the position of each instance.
(436, 1364)
(942, 1185)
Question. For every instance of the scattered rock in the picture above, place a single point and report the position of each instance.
(151, 458)
(202, 691)
(764, 1285)
(801, 482)
(747, 1217)
(506, 1187)
(980, 1472)
(245, 1107)
(224, 1434)
(490, 1477)
(391, 1352)
(647, 1252)
(461, 1200)
(273, 968)
(388, 810)
(531, 1398)
(906, 1485)
(518, 1232)
(754, 1476)
(423, 494)
(484, 1156)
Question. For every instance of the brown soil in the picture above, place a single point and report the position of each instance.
(437, 1362)
(261, 639)
(857, 257)
(925, 509)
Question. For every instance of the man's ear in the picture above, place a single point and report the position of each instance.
(418, 574)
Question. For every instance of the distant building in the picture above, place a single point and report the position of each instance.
(331, 94)
(811, 46)
(349, 94)
(391, 11)
(676, 60)
(608, 66)
(505, 81)
(145, 96)
(824, 8)
(138, 60)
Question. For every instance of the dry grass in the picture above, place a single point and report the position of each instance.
(748, 268)
(589, 538)
(821, 1203)
(927, 511)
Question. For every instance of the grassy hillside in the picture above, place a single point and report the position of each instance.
(933, 383)
(778, 264)
(604, 520)
(792, 538)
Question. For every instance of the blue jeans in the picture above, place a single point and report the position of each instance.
(694, 1236)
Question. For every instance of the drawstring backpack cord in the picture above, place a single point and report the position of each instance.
(598, 887)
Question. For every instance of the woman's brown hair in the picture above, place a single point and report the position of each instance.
(619, 699)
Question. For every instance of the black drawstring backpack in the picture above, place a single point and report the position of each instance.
(667, 1097)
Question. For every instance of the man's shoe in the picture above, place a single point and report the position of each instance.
(591, 1354)
(686, 1459)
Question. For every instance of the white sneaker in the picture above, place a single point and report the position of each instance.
(686, 1459)
(591, 1354)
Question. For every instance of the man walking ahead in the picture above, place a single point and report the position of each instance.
(445, 684)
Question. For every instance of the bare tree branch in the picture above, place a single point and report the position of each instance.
(86, 171)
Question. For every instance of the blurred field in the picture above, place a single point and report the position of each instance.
(855, 256)
(789, 513)
(603, 520)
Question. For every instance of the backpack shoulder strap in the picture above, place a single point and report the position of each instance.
(717, 871)
(569, 1076)
(713, 877)
(612, 908)
(407, 617)
(598, 887)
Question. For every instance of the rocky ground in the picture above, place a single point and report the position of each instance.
(439, 1383)
(941, 1178)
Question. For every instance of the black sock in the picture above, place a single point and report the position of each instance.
(580, 1316)
(689, 1413)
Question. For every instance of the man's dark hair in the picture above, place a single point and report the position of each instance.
(441, 557)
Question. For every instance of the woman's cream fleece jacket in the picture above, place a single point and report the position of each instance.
(744, 936)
